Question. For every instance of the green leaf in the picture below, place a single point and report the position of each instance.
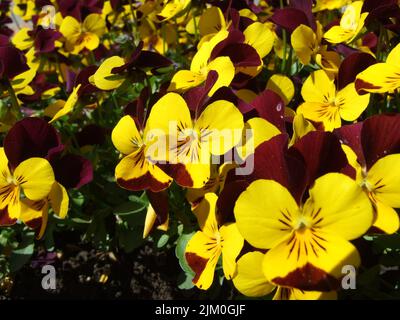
(180, 252)
(162, 241)
(185, 281)
(23, 253)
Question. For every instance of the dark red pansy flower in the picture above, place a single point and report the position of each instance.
(31, 137)
(12, 60)
(376, 137)
(71, 170)
(351, 66)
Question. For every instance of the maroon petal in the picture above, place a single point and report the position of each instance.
(271, 107)
(380, 136)
(159, 202)
(12, 61)
(5, 219)
(197, 97)
(306, 7)
(234, 37)
(272, 161)
(352, 66)
(227, 199)
(72, 171)
(350, 135)
(31, 137)
(45, 40)
(289, 18)
(228, 94)
(241, 55)
(322, 153)
(83, 79)
(153, 60)
(90, 135)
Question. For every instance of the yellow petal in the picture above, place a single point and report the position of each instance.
(250, 279)
(36, 177)
(256, 131)
(296, 294)
(261, 219)
(125, 136)
(306, 265)
(328, 114)
(202, 254)
(318, 88)
(169, 112)
(387, 219)
(343, 207)
(22, 40)
(211, 21)
(384, 180)
(264, 44)
(183, 80)
(226, 72)
(70, 28)
(105, 70)
(301, 127)
(69, 104)
(94, 23)
(281, 85)
(379, 78)
(304, 42)
(220, 126)
(231, 245)
(350, 103)
(59, 200)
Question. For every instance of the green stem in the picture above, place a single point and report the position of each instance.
(14, 101)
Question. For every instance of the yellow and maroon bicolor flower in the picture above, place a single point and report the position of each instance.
(381, 77)
(34, 142)
(206, 246)
(350, 25)
(137, 170)
(251, 281)
(307, 45)
(324, 103)
(86, 35)
(33, 177)
(202, 64)
(296, 167)
(373, 149)
(307, 243)
(214, 131)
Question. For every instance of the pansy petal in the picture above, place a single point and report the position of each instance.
(304, 41)
(264, 44)
(226, 72)
(220, 124)
(125, 136)
(384, 180)
(335, 202)
(351, 104)
(202, 254)
(171, 109)
(264, 222)
(134, 172)
(378, 78)
(36, 177)
(183, 80)
(250, 279)
(100, 77)
(386, 219)
(310, 262)
(231, 245)
(59, 200)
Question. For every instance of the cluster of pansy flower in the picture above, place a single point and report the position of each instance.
(277, 119)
